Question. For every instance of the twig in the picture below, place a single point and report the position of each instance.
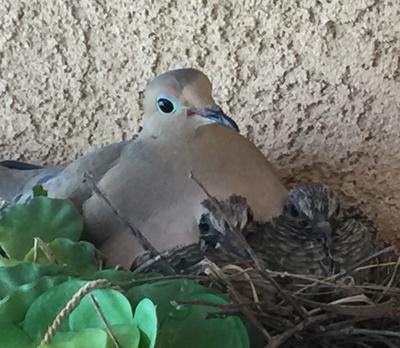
(104, 320)
(40, 244)
(360, 263)
(238, 298)
(145, 243)
(248, 278)
(350, 331)
(376, 265)
(71, 305)
(364, 312)
(277, 340)
(249, 250)
(385, 340)
(35, 249)
(352, 299)
(146, 264)
(130, 283)
(389, 285)
(337, 276)
(235, 306)
(222, 313)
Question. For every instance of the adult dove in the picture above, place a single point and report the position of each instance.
(148, 179)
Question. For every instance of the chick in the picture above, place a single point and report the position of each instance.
(312, 235)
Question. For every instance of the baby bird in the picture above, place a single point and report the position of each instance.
(312, 235)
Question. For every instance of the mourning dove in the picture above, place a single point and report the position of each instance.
(312, 235)
(17, 178)
(148, 179)
(15, 175)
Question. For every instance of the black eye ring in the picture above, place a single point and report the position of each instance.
(165, 105)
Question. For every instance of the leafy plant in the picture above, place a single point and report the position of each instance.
(179, 323)
(77, 257)
(42, 217)
(46, 265)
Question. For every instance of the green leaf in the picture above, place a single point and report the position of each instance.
(122, 276)
(84, 339)
(115, 307)
(12, 336)
(77, 257)
(13, 308)
(163, 292)
(5, 261)
(146, 319)
(128, 336)
(42, 217)
(12, 277)
(39, 190)
(45, 308)
(180, 324)
(211, 333)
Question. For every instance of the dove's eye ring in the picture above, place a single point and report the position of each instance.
(166, 105)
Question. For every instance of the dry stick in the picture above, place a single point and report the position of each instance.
(40, 244)
(223, 313)
(235, 308)
(146, 264)
(152, 261)
(389, 285)
(279, 339)
(130, 283)
(246, 312)
(377, 265)
(384, 340)
(232, 306)
(360, 263)
(250, 251)
(248, 278)
(104, 320)
(35, 249)
(355, 331)
(365, 345)
(352, 268)
(310, 278)
(72, 304)
(134, 231)
(225, 309)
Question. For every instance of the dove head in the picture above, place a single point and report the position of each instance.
(181, 99)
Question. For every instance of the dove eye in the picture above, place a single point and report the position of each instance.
(165, 105)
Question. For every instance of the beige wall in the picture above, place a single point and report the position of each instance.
(316, 84)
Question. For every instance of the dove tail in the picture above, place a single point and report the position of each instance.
(19, 165)
(13, 177)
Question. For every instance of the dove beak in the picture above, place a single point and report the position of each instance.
(214, 114)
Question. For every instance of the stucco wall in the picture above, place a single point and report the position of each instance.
(316, 84)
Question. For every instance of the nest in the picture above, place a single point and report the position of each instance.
(294, 310)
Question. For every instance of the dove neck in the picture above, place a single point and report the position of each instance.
(167, 137)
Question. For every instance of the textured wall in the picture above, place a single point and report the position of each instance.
(316, 84)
